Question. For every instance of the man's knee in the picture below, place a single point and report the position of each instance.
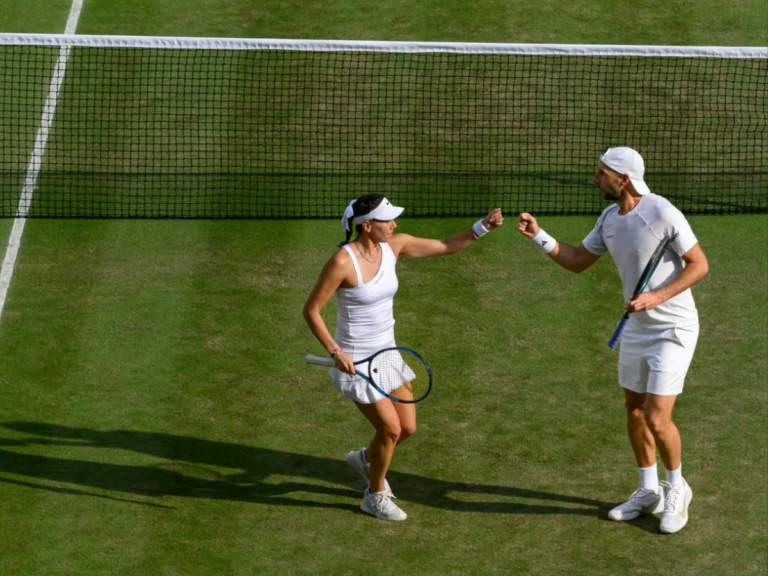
(635, 411)
(657, 421)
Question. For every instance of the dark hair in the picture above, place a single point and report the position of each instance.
(364, 205)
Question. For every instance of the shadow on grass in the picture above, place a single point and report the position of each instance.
(191, 468)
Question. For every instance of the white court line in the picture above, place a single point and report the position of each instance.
(36, 160)
(74, 16)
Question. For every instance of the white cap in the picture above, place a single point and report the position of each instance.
(623, 160)
(385, 211)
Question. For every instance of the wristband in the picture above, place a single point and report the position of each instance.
(479, 230)
(544, 241)
(336, 352)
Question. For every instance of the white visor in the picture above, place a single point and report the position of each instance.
(385, 211)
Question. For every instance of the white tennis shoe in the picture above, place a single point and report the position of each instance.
(379, 504)
(642, 501)
(356, 461)
(676, 501)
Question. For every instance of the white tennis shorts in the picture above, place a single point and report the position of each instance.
(656, 362)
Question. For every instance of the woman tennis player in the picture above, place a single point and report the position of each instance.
(362, 276)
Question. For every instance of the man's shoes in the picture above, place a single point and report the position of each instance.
(642, 501)
(676, 501)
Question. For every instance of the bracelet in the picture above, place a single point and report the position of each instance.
(336, 352)
(479, 230)
(544, 241)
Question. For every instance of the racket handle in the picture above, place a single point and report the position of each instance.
(319, 360)
(614, 341)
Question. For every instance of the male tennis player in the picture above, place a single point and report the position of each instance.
(362, 276)
(658, 343)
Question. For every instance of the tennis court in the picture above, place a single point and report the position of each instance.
(159, 417)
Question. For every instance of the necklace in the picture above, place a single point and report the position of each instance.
(364, 256)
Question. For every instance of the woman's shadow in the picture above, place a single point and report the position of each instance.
(192, 468)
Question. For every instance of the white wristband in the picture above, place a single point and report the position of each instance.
(478, 229)
(544, 241)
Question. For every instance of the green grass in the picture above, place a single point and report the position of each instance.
(706, 22)
(158, 418)
(702, 23)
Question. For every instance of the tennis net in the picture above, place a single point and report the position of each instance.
(127, 127)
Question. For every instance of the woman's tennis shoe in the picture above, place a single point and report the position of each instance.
(380, 504)
(641, 501)
(356, 461)
(676, 501)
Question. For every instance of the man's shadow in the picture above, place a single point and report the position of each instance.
(192, 468)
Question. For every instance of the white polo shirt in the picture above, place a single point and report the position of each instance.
(631, 239)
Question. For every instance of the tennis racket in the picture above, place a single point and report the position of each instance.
(400, 374)
(645, 277)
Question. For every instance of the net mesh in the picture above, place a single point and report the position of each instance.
(152, 131)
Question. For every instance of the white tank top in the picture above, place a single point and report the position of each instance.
(365, 316)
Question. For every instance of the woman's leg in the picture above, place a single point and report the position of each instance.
(393, 423)
(407, 415)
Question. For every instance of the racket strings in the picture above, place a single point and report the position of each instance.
(404, 376)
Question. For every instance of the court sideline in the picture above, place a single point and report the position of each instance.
(36, 159)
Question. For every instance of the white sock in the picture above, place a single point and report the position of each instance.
(675, 477)
(649, 478)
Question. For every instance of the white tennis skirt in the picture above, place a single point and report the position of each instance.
(656, 362)
(353, 386)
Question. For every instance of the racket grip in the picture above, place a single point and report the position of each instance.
(319, 360)
(614, 341)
